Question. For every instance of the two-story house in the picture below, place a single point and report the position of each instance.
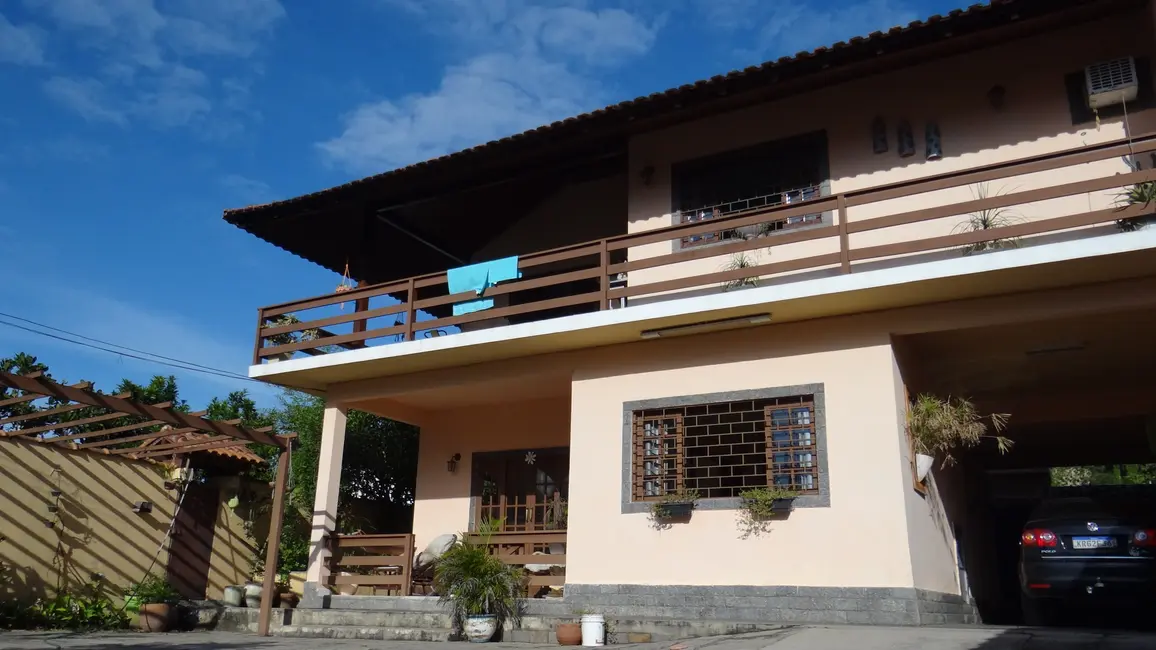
(738, 283)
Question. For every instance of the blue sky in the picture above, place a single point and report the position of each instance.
(126, 126)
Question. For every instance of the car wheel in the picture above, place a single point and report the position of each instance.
(1038, 612)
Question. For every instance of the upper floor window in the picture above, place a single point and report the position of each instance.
(783, 171)
(721, 449)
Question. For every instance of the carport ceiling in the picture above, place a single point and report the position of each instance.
(1113, 349)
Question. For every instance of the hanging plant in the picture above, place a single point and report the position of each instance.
(673, 505)
(757, 505)
(346, 284)
(938, 427)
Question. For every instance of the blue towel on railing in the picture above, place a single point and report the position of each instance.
(476, 277)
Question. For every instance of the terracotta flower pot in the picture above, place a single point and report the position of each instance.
(156, 617)
(568, 633)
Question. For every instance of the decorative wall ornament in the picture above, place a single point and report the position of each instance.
(879, 135)
(905, 140)
(531, 458)
(934, 145)
(997, 96)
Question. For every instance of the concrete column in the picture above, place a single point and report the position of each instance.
(328, 483)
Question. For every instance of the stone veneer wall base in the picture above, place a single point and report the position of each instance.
(777, 604)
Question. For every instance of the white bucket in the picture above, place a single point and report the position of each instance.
(923, 464)
(593, 630)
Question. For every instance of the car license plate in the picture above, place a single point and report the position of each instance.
(1093, 542)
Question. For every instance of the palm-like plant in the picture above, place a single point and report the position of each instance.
(1139, 194)
(990, 219)
(939, 426)
(741, 261)
(471, 581)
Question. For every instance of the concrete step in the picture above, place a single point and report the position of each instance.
(362, 633)
(419, 623)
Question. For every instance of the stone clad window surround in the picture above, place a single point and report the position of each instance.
(802, 436)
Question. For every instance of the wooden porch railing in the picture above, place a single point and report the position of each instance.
(374, 561)
(586, 277)
(545, 570)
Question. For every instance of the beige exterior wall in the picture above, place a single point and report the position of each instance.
(930, 537)
(951, 93)
(442, 503)
(95, 530)
(902, 538)
(863, 461)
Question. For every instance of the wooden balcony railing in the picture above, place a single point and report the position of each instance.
(597, 275)
(375, 561)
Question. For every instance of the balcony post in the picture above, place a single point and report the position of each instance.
(259, 341)
(604, 276)
(844, 235)
(410, 309)
(360, 305)
(325, 503)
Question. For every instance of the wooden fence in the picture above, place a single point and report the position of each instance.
(589, 276)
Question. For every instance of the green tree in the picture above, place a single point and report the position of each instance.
(19, 364)
(379, 463)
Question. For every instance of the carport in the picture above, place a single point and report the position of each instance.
(1080, 392)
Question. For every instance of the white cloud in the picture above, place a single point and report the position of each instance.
(147, 64)
(247, 189)
(87, 97)
(23, 45)
(528, 64)
(784, 29)
(488, 97)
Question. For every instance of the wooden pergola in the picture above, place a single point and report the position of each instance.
(133, 431)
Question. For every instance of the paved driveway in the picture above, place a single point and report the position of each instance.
(801, 638)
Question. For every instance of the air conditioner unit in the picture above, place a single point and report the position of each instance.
(1111, 82)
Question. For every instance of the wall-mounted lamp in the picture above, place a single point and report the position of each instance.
(452, 463)
(707, 326)
(997, 96)
(647, 175)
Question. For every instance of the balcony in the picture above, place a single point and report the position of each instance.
(1072, 194)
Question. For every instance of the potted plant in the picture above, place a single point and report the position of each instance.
(481, 590)
(940, 426)
(569, 632)
(155, 599)
(1139, 194)
(764, 502)
(674, 505)
(287, 598)
(286, 338)
(990, 219)
(592, 628)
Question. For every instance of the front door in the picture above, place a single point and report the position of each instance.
(521, 490)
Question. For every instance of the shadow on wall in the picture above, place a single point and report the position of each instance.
(68, 515)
